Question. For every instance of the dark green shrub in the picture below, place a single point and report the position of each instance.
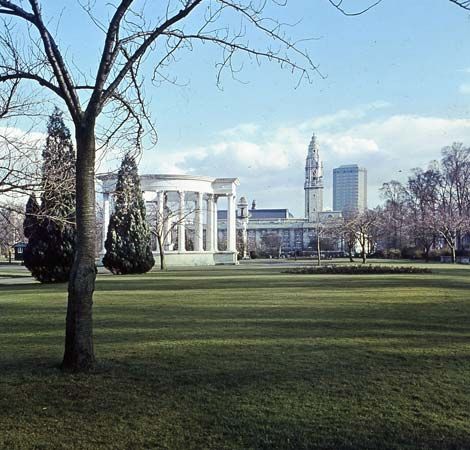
(393, 253)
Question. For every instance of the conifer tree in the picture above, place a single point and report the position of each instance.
(51, 242)
(128, 242)
(31, 216)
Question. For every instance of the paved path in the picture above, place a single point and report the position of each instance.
(6, 281)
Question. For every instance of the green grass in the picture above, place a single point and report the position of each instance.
(241, 359)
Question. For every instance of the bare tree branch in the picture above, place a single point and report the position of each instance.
(338, 4)
(465, 4)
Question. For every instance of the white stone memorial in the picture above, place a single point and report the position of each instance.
(184, 204)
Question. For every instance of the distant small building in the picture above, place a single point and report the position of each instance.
(19, 250)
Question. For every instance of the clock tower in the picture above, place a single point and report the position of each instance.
(313, 185)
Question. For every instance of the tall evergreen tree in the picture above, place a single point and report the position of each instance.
(31, 216)
(128, 242)
(51, 242)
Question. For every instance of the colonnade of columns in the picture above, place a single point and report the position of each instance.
(170, 220)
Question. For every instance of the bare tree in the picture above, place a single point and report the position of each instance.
(116, 91)
(11, 227)
(345, 229)
(465, 4)
(165, 222)
(365, 224)
(326, 231)
(450, 213)
(342, 6)
(20, 162)
(455, 165)
(421, 199)
(394, 222)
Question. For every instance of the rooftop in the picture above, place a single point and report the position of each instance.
(261, 214)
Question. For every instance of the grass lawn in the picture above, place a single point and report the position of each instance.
(243, 358)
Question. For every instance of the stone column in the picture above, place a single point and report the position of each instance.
(245, 238)
(198, 224)
(231, 224)
(166, 223)
(292, 239)
(215, 227)
(106, 216)
(181, 219)
(210, 223)
(160, 223)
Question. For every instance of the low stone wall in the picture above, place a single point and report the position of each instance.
(175, 259)
(226, 258)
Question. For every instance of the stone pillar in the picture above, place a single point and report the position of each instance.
(106, 216)
(231, 224)
(214, 224)
(198, 224)
(292, 239)
(210, 223)
(166, 224)
(181, 219)
(245, 238)
(160, 222)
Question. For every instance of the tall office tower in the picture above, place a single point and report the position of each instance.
(349, 188)
(313, 182)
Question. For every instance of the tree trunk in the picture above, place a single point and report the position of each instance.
(458, 240)
(162, 252)
(318, 250)
(426, 253)
(364, 252)
(452, 250)
(79, 354)
(351, 259)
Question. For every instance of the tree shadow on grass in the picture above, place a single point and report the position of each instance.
(326, 396)
(180, 281)
(276, 283)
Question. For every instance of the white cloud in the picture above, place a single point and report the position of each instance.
(343, 115)
(31, 138)
(349, 146)
(270, 162)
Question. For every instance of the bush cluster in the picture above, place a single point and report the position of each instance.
(412, 252)
(358, 270)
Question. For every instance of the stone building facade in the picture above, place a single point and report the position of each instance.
(294, 235)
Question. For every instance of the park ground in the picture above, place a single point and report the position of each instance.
(242, 358)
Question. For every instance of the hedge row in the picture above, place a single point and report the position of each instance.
(358, 270)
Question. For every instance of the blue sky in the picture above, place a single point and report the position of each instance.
(397, 89)
(394, 94)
